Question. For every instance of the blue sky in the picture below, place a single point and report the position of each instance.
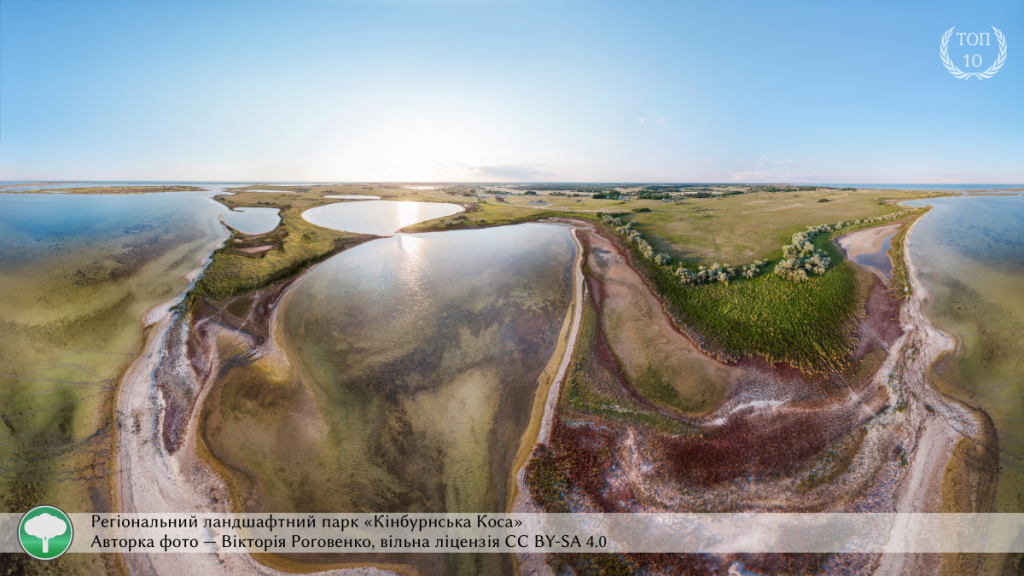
(499, 90)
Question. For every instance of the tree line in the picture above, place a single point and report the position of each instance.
(800, 259)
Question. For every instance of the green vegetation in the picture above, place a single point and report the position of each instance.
(590, 391)
(802, 257)
(799, 258)
(808, 324)
(635, 237)
(899, 282)
(455, 220)
(293, 246)
(718, 273)
(297, 246)
(750, 226)
(484, 214)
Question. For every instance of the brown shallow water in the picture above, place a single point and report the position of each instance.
(411, 368)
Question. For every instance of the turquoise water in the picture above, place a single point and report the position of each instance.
(34, 226)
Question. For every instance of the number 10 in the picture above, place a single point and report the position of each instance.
(972, 61)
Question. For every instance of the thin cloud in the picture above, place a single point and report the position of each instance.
(783, 162)
(641, 120)
(500, 171)
(749, 176)
(661, 121)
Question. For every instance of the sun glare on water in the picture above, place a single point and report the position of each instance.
(408, 213)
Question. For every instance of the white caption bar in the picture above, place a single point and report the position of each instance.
(506, 533)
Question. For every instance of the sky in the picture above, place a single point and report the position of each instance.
(509, 90)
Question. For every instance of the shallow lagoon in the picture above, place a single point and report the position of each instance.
(77, 272)
(419, 358)
(380, 217)
(253, 220)
(970, 251)
(879, 260)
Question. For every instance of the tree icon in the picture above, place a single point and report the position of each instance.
(44, 527)
(45, 532)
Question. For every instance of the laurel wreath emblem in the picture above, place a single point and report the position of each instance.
(1000, 59)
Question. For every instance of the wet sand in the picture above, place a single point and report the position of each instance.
(868, 241)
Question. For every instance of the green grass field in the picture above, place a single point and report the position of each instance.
(808, 324)
(747, 227)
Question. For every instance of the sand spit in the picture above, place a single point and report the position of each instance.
(577, 317)
(941, 424)
(534, 564)
(153, 478)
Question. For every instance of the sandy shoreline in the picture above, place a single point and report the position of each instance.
(940, 422)
(522, 502)
(152, 480)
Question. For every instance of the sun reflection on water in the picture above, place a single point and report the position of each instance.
(381, 217)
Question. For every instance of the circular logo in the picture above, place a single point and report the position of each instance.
(975, 60)
(45, 532)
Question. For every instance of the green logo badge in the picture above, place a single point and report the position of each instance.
(45, 532)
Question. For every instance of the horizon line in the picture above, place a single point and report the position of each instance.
(623, 182)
